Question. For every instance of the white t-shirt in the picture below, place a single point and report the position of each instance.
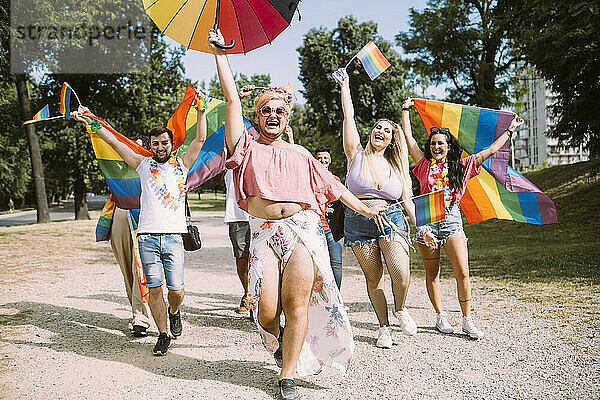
(162, 206)
(233, 213)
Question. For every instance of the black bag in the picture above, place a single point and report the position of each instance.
(334, 214)
(191, 239)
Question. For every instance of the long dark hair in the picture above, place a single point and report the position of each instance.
(456, 171)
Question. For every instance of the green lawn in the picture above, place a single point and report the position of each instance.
(207, 202)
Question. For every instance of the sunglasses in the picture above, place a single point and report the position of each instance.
(266, 111)
(439, 130)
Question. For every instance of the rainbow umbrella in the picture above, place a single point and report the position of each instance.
(249, 23)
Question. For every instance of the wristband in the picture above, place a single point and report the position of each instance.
(510, 133)
(405, 108)
(93, 127)
(202, 105)
(422, 230)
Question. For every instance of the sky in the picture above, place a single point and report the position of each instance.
(280, 58)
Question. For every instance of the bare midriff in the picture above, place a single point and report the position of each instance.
(267, 209)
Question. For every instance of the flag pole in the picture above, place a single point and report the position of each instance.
(353, 57)
(33, 121)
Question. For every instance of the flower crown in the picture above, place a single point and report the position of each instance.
(287, 96)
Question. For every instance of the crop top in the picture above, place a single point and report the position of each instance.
(280, 174)
(392, 190)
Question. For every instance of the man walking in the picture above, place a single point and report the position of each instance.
(162, 216)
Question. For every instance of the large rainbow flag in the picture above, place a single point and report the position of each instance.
(498, 191)
(124, 182)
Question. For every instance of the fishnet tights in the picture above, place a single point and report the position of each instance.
(397, 262)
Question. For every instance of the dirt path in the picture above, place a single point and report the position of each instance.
(64, 315)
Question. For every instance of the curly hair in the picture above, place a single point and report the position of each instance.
(456, 171)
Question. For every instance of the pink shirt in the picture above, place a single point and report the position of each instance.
(423, 168)
(280, 174)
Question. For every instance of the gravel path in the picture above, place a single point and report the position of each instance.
(63, 335)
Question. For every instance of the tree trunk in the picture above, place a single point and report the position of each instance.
(81, 207)
(43, 215)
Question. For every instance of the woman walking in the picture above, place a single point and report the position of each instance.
(378, 175)
(440, 167)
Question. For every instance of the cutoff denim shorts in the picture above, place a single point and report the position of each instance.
(451, 227)
(162, 252)
(360, 229)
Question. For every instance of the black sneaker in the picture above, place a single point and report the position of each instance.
(288, 390)
(162, 344)
(175, 324)
(278, 355)
(139, 331)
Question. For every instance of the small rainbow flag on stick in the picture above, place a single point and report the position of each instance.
(429, 208)
(44, 113)
(372, 60)
(65, 100)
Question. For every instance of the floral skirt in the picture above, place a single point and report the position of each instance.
(329, 341)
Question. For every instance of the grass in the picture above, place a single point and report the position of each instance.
(207, 202)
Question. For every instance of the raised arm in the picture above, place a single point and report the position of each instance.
(234, 125)
(130, 157)
(189, 157)
(413, 148)
(350, 136)
(498, 143)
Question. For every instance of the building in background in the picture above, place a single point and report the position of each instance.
(531, 148)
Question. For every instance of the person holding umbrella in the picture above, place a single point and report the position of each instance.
(284, 189)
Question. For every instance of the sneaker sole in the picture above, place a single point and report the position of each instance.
(474, 337)
(440, 330)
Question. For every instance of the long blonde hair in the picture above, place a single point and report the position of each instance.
(396, 154)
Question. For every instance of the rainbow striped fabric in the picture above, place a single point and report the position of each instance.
(44, 113)
(124, 182)
(372, 60)
(105, 221)
(498, 191)
(429, 208)
(65, 100)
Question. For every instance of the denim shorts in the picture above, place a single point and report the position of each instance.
(360, 229)
(451, 227)
(239, 235)
(162, 252)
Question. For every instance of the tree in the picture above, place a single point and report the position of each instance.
(319, 123)
(132, 103)
(20, 82)
(572, 31)
(463, 43)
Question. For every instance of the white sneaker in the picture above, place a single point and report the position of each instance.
(406, 322)
(384, 338)
(442, 323)
(468, 327)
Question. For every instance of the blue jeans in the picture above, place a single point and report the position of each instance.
(451, 227)
(162, 252)
(335, 257)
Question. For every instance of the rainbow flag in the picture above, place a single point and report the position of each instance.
(429, 208)
(498, 191)
(124, 182)
(105, 221)
(44, 113)
(65, 100)
(372, 60)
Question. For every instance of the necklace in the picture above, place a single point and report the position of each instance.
(161, 186)
(439, 173)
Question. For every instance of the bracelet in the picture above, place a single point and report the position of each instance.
(510, 133)
(93, 127)
(405, 108)
(202, 105)
(422, 230)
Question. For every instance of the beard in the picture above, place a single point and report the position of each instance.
(162, 159)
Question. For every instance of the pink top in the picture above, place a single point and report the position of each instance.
(280, 174)
(423, 168)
